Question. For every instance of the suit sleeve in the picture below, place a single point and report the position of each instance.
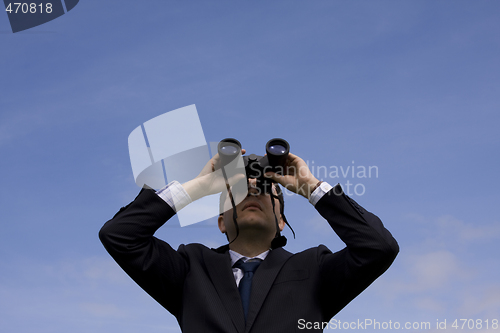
(149, 261)
(370, 250)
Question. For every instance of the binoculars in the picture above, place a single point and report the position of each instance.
(256, 166)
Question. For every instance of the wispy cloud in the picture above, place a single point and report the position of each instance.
(434, 274)
(467, 232)
(93, 292)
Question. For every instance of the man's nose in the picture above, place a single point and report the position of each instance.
(252, 187)
(253, 191)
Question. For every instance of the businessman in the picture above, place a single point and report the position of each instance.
(251, 284)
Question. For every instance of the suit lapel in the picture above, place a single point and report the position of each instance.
(219, 268)
(263, 280)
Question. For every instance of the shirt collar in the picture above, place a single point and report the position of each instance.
(235, 256)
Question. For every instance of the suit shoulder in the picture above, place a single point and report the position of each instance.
(309, 255)
(312, 251)
(195, 249)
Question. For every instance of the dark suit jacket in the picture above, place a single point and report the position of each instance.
(197, 286)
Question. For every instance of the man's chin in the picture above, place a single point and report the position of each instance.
(252, 222)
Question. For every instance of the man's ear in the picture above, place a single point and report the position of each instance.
(281, 223)
(222, 226)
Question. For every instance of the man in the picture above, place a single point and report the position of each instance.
(213, 290)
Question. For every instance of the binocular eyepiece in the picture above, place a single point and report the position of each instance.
(256, 166)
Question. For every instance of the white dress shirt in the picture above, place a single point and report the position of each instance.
(177, 197)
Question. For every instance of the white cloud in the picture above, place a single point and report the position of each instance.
(430, 303)
(447, 231)
(482, 301)
(468, 232)
(445, 270)
(82, 295)
(433, 270)
(423, 273)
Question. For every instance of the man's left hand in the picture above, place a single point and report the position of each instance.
(297, 177)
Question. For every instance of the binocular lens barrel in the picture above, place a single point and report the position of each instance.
(277, 147)
(277, 152)
(228, 149)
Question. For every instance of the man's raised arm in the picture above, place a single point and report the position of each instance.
(150, 262)
(370, 247)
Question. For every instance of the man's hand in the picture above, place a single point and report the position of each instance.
(297, 176)
(211, 180)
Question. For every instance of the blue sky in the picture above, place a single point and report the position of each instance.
(411, 87)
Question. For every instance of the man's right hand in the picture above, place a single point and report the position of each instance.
(210, 180)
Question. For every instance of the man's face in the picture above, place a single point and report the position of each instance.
(254, 214)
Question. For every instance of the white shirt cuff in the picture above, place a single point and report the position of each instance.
(175, 196)
(319, 192)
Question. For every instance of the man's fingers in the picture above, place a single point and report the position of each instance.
(272, 175)
(236, 178)
(282, 180)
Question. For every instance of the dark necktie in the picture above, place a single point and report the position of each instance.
(245, 285)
